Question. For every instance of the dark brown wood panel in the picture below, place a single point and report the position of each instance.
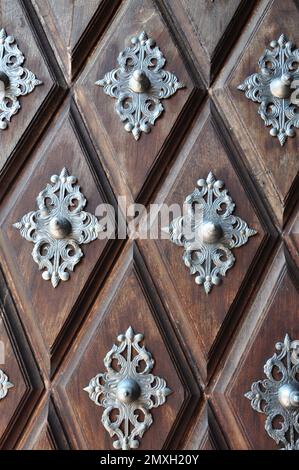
(44, 309)
(13, 19)
(202, 152)
(127, 162)
(209, 29)
(273, 314)
(125, 301)
(274, 168)
(72, 25)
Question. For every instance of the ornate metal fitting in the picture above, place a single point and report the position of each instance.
(209, 231)
(5, 385)
(15, 80)
(128, 389)
(277, 396)
(272, 88)
(59, 227)
(139, 83)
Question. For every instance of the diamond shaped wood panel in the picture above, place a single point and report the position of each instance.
(203, 151)
(28, 123)
(272, 315)
(274, 168)
(72, 25)
(126, 301)
(210, 29)
(129, 163)
(44, 308)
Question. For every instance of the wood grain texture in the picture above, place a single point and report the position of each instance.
(13, 19)
(72, 25)
(209, 29)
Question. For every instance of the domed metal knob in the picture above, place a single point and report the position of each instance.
(60, 227)
(281, 87)
(288, 395)
(211, 232)
(128, 391)
(139, 82)
(4, 83)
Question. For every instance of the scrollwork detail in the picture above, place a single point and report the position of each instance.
(272, 88)
(59, 227)
(128, 390)
(139, 84)
(209, 231)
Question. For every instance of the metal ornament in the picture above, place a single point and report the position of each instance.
(139, 83)
(5, 385)
(129, 390)
(272, 88)
(15, 80)
(208, 231)
(277, 396)
(59, 227)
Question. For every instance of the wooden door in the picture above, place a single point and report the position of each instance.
(209, 348)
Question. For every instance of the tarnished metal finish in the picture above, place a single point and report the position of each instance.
(272, 88)
(128, 389)
(59, 227)
(278, 394)
(208, 231)
(139, 83)
(5, 385)
(15, 80)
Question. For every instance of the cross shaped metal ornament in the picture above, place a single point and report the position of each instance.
(208, 231)
(139, 83)
(59, 227)
(127, 389)
(272, 88)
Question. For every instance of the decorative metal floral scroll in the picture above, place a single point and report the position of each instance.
(277, 396)
(59, 227)
(139, 84)
(272, 88)
(5, 385)
(129, 390)
(15, 80)
(208, 231)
